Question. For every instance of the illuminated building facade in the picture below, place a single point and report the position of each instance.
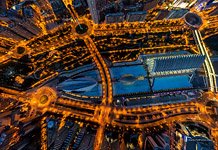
(174, 64)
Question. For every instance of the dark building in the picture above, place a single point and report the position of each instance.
(108, 10)
(3, 6)
(156, 142)
(177, 13)
(136, 16)
(59, 9)
(17, 27)
(95, 6)
(114, 18)
(215, 11)
(162, 14)
(149, 4)
(80, 6)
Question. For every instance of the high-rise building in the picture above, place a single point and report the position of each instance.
(28, 12)
(114, 17)
(80, 6)
(3, 6)
(162, 14)
(182, 4)
(95, 6)
(18, 28)
(136, 16)
(177, 13)
(149, 4)
(5, 45)
(215, 11)
(31, 27)
(110, 10)
(46, 8)
(133, 8)
(59, 9)
(6, 32)
(155, 143)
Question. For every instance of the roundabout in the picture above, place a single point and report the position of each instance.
(193, 20)
(21, 50)
(41, 98)
(81, 28)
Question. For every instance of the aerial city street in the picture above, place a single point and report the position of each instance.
(108, 75)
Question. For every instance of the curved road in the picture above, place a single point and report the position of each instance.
(208, 64)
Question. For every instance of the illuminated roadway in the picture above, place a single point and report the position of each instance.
(137, 117)
(105, 113)
(208, 64)
(69, 6)
(139, 27)
(107, 91)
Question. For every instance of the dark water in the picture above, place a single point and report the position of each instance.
(212, 43)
